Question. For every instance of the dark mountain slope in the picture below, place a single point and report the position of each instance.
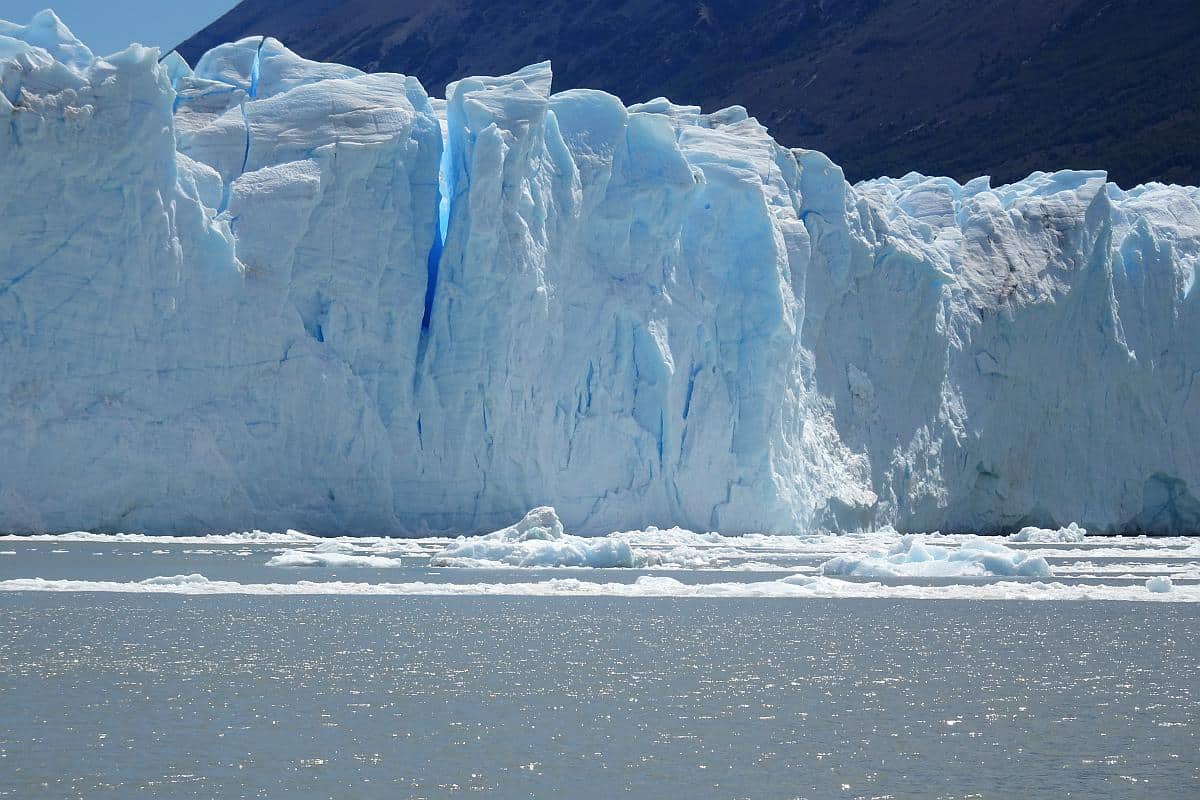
(956, 87)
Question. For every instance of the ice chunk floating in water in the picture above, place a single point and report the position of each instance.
(1159, 584)
(535, 557)
(914, 557)
(320, 299)
(1067, 535)
(536, 541)
(331, 558)
(799, 587)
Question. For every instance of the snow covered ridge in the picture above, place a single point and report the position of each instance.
(272, 293)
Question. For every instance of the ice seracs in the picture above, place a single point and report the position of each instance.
(267, 292)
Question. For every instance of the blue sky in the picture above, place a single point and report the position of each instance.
(109, 25)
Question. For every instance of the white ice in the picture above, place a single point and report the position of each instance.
(1159, 584)
(1071, 533)
(331, 555)
(796, 587)
(912, 556)
(270, 293)
(537, 540)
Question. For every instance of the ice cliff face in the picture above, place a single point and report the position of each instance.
(274, 293)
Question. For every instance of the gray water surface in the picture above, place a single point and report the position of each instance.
(121, 696)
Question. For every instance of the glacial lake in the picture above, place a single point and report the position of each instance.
(118, 681)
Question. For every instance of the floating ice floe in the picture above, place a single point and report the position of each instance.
(161, 581)
(537, 540)
(1159, 584)
(309, 558)
(680, 557)
(1070, 534)
(796, 587)
(913, 557)
(1183, 570)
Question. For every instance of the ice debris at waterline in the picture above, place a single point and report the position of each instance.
(538, 540)
(1068, 535)
(795, 587)
(914, 557)
(332, 554)
(266, 292)
(933, 566)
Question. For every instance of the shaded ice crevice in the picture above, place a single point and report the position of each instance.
(443, 198)
(433, 263)
(256, 69)
(252, 91)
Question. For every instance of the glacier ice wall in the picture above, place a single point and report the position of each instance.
(273, 293)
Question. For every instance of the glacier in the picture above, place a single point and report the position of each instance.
(271, 293)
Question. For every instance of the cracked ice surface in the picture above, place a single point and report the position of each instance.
(272, 293)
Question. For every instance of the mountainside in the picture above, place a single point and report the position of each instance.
(276, 293)
(954, 87)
